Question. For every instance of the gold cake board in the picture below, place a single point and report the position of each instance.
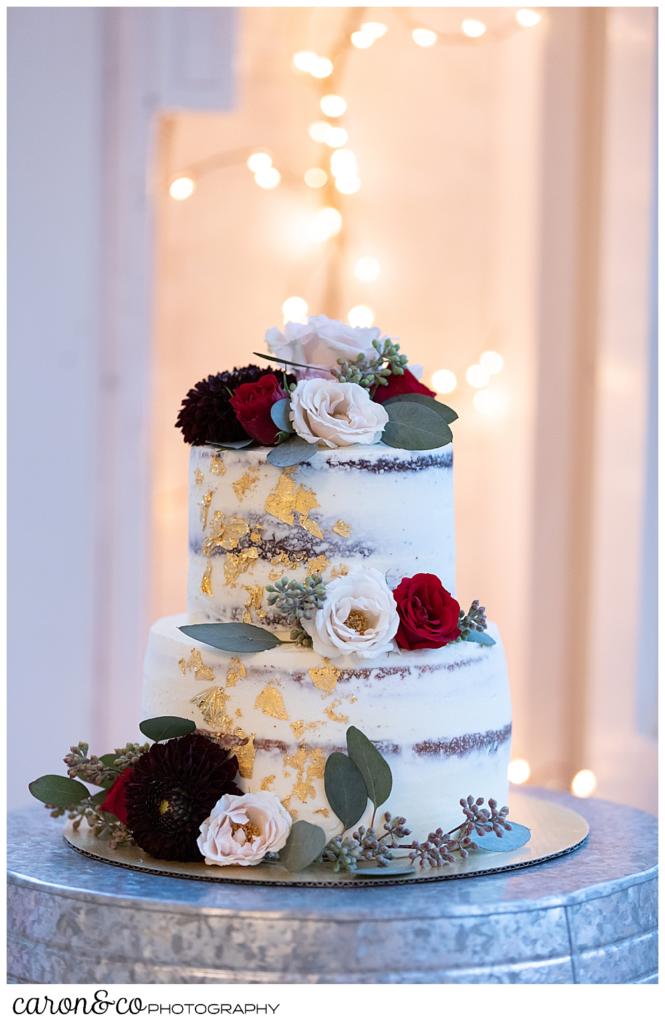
(555, 831)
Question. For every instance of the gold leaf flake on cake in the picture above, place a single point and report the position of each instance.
(255, 535)
(246, 754)
(205, 508)
(323, 811)
(332, 713)
(339, 570)
(212, 705)
(235, 671)
(217, 464)
(225, 533)
(300, 727)
(325, 678)
(236, 564)
(318, 564)
(198, 477)
(308, 764)
(206, 581)
(289, 500)
(254, 603)
(271, 703)
(267, 781)
(245, 483)
(342, 528)
(196, 664)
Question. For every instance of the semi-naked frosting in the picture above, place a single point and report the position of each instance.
(347, 508)
(441, 717)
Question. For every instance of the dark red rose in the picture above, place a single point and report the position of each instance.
(404, 384)
(115, 801)
(428, 614)
(252, 404)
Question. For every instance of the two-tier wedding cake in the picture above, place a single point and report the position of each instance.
(324, 698)
(353, 514)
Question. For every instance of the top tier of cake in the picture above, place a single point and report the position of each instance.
(251, 523)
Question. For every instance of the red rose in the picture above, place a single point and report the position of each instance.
(114, 803)
(402, 384)
(428, 614)
(252, 404)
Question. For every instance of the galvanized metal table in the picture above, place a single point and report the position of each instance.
(590, 916)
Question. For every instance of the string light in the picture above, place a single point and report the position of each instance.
(490, 402)
(333, 106)
(344, 163)
(376, 29)
(473, 28)
(477, 376)
(181, 188)
(326, 223)
(259, 162)
(362, 40)
(360, 316)
(312, 64)
(424, 37)
(584, 783)
(367, 269)
(328, 134)
(444, 382)
(491, 362)
(527, 18)
(315, 177)
(348, 185)
(268, 177)
(295, 310)
(519, 771)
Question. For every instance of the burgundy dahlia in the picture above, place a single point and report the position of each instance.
(172, 789)
(206, 413)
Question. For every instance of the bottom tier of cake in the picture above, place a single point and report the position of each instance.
(441, 718)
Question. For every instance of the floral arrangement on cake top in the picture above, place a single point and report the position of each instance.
(179, 799)
(338, 386)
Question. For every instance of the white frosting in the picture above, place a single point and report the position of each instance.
(441, 717)
(363, 506)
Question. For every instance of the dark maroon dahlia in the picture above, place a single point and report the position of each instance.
(206, 413)
(172, 790)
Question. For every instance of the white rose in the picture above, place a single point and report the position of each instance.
(321, 341)
(242, 829)
(359, 616)
(337, 414)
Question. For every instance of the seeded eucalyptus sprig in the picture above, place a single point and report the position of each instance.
(101, 771)
(296, 600)
(475, 618)
(104, 826)
(372, 373)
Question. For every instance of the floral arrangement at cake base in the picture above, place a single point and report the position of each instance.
(178, 798)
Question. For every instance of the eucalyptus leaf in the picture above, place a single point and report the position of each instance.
(446, 413)
(518, 836)
(99, 798)
(59, 790)
(372, 766)
(415, 427)
(304, 845)
(477, 636)
(389, 870)
(291, 453)
(233, 445)
(239, 637)
(279, 414)
(108, 759)
(345, 788)
(166, 727)
(287, 362)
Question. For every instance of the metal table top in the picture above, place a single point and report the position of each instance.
(587, 917)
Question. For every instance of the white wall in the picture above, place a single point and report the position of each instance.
(85, 90)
